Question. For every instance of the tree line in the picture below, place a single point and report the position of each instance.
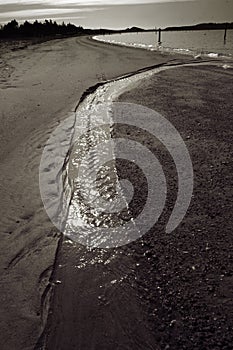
(43, 29)
(202, 26)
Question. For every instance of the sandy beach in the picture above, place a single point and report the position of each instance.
(40, 85)
(175, 290)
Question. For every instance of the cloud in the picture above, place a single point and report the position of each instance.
(45, 12)
(37, 12)
(85, 2)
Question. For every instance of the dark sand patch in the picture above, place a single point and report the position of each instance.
(186, 278)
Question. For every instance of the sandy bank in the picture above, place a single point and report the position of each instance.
(43, 83)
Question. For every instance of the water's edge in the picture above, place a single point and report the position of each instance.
(109, 39)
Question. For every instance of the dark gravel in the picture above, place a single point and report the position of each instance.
(185, 278)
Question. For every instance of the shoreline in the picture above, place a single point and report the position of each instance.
(169, 51)
(68, 257)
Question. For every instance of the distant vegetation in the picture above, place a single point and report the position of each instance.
(50, 28)
(47, 28)
(202, 26)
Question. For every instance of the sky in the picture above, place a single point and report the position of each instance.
(118, 13)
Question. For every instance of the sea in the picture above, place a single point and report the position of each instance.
(203, 42)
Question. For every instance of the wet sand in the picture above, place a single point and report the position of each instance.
(40, 84)
(185, 279)
(160, 292)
